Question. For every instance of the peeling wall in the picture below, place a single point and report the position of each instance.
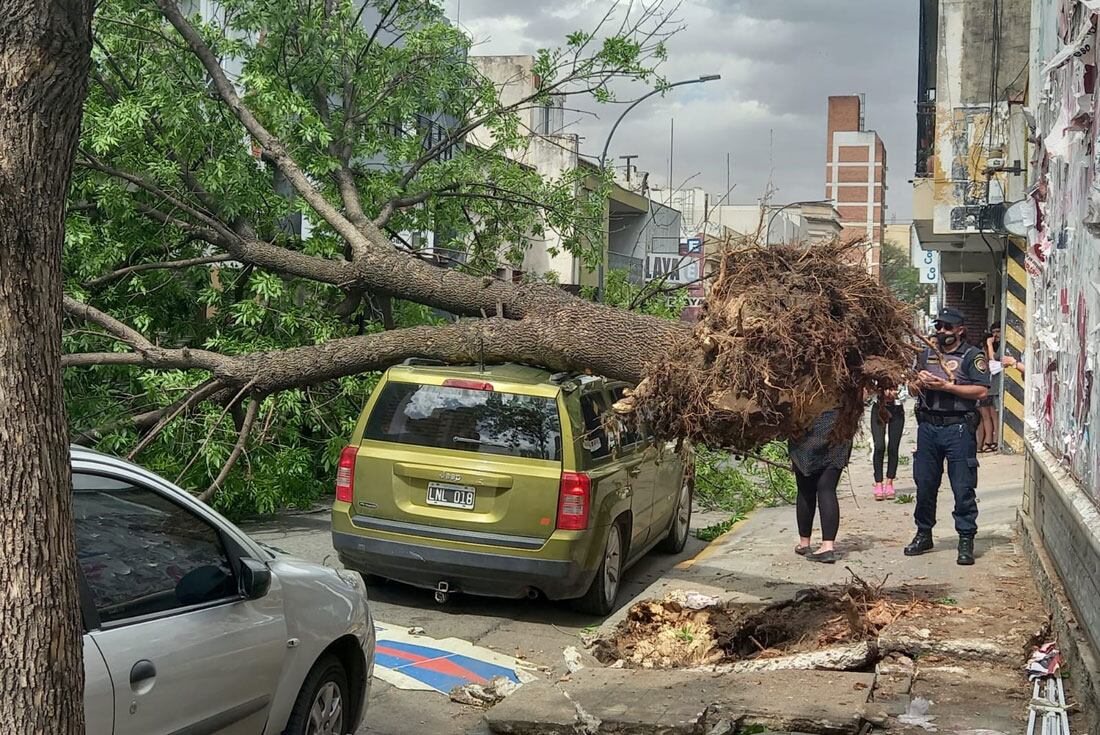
(1063, 255)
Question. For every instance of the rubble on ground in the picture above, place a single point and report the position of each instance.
(484, 695)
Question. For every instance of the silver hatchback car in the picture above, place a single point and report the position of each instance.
(191, 626)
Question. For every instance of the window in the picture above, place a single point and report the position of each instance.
(482, 421)
(143, 554)
(594, 408)
(630, 431)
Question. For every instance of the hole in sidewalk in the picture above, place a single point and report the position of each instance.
(669, 634)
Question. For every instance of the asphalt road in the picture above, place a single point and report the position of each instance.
(536, 631)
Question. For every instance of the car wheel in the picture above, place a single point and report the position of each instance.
(323, 706)
(677, 536)
(604, 591)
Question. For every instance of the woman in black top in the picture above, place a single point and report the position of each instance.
(818, 464)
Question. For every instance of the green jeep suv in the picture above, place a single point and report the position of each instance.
(505, 481)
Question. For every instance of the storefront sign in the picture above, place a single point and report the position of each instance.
(671, 268)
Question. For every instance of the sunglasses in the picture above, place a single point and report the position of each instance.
(943, 326)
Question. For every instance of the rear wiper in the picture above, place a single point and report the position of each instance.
(468, 440)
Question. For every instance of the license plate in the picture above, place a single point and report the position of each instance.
(451, 496)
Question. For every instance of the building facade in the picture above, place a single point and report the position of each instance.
(855, 176)
(806, 222)
(633, 223)
(696, 206)
(971, 164)
(1007, 213)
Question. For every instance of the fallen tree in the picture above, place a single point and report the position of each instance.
(168, 202)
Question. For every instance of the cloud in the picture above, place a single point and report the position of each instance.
(779, 60)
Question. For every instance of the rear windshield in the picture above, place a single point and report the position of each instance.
(467, 420)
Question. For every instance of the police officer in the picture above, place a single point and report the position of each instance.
(948, 392)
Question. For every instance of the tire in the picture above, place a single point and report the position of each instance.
(324, 705)
(676, 539)
(603, 593)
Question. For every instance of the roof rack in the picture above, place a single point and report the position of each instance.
(412, 361)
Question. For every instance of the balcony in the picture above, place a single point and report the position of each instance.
(926, 140)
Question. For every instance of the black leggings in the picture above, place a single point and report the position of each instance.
(878, 432)
(818, 491)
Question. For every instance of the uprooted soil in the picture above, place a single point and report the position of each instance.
(787, 332)
(667, 634)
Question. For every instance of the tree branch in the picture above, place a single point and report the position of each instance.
(238, 448)
(194, 398)
(116, 328)
(91, 359)
(166, 265)
(204, 217)
(273, 147)
(210, 435)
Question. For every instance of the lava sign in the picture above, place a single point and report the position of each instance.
(671, 268)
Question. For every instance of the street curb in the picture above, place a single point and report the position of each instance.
(711, 546)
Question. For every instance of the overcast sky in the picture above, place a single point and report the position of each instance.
(779, 60)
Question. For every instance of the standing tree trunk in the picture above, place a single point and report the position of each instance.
(44, 56)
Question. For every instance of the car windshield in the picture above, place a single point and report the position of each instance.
(488, 422)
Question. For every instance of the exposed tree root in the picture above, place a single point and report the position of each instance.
(787, 332)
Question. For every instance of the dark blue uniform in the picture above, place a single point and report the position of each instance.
(946, 426)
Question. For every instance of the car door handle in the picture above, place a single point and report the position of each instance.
(142, 676)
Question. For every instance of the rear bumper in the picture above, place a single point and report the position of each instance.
(478, 573)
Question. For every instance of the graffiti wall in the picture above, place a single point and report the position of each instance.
(1063, 257)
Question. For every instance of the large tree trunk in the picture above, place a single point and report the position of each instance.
(44, 56)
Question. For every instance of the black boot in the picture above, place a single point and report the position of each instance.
(966, 551)
(921, 544)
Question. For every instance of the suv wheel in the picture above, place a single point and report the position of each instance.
(677, 536)
(323, 706)
(604, 590)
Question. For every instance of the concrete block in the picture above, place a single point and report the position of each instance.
(687, 702)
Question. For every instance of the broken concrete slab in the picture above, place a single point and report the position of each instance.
(910, 641)
(965, 634)
(836, 658)
(894, 676)
(686, 702)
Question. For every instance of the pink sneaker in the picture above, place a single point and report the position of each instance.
(880, 492)
(888, 490)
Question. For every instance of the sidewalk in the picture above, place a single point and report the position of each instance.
(951, 663)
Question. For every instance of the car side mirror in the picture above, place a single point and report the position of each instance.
(255, 579)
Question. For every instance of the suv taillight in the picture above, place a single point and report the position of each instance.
(345, 474)
(574, 500)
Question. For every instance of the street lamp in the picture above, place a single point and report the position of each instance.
(768, 229)
(607, 144)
